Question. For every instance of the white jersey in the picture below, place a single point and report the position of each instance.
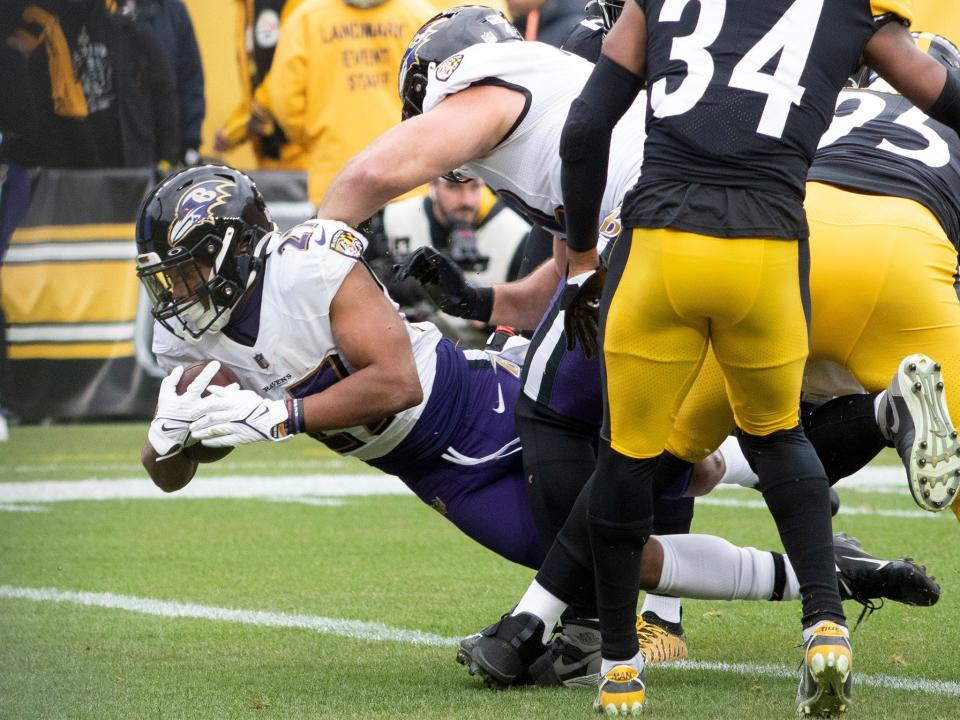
(295, 353)
(524, 169)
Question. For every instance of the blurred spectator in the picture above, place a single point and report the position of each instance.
(169, 23)
(260, 25)
(333, 82)
(549, 21)
(101, 92)
(465, 222)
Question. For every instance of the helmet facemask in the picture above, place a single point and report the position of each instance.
(194, 289)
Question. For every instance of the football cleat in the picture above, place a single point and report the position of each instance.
(660, 640)
(914, 417)
(574, 657)
(865, 578)
(826, 677)
(622, 692)
(505, 650)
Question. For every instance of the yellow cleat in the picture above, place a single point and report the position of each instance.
(660, 641)
(622, 692)
(825, 676)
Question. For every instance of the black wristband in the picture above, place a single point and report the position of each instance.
(947, 107)
(482, 306)
(295, 421)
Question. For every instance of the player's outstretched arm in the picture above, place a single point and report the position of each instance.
(917, 76)
(462, 127)
(170, 474)
(520, 304)
(372, 337)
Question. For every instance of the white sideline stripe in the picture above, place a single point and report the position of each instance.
(362, 630)
(22, 507)
(354, 629)
(844, 509)
(310, 489)
(891, 682)
(231, 486)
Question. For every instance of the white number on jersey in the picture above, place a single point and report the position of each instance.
(869, 107)
(791, 37)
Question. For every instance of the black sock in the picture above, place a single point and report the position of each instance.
(567, 571)
(845, 434)
(620, 516)
(795, 488)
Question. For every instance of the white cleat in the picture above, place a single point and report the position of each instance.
(915, 418)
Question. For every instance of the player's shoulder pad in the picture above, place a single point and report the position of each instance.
(471, 65)
(316, 250)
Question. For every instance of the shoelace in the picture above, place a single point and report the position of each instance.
(869, 607)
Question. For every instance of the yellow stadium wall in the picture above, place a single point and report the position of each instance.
(939, 16)
(215, 24)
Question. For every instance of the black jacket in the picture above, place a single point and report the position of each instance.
(169, 23)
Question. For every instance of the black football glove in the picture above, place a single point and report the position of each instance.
(444, 283)
(580, 302)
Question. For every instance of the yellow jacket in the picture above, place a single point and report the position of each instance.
(235, 127)
(333, 82)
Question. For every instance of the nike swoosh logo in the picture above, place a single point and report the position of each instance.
(895, 422)
(501, 406)
(879, 563)
(164, 428)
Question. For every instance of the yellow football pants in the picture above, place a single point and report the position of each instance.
(675, 293)
(882, 287)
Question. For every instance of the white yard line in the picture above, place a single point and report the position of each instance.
(318, 489)
(378, 632)
(354, 629)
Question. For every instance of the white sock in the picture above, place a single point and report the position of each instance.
(667, 608)
(737, 470)
(710, 568)
(636, 662)
(808, 632)
(546, 606)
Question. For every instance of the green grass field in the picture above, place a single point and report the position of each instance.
(292, 605)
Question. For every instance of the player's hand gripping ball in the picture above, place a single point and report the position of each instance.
(224, 377)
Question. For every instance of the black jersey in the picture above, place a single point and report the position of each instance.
(880, 143)
(739, 93)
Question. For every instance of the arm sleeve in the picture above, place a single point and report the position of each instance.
(585, 147)
(947, 107)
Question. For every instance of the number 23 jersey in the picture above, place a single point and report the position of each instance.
(879, 143)
(739, 93)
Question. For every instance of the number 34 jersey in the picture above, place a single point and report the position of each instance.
(739, 93)
(879, 143)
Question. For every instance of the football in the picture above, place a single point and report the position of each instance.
(194, 450)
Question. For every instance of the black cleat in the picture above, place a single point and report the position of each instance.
(915, 420)
(504, 652)
(865, 578)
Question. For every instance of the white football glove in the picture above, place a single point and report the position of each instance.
(170, 427)
(234, 417)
